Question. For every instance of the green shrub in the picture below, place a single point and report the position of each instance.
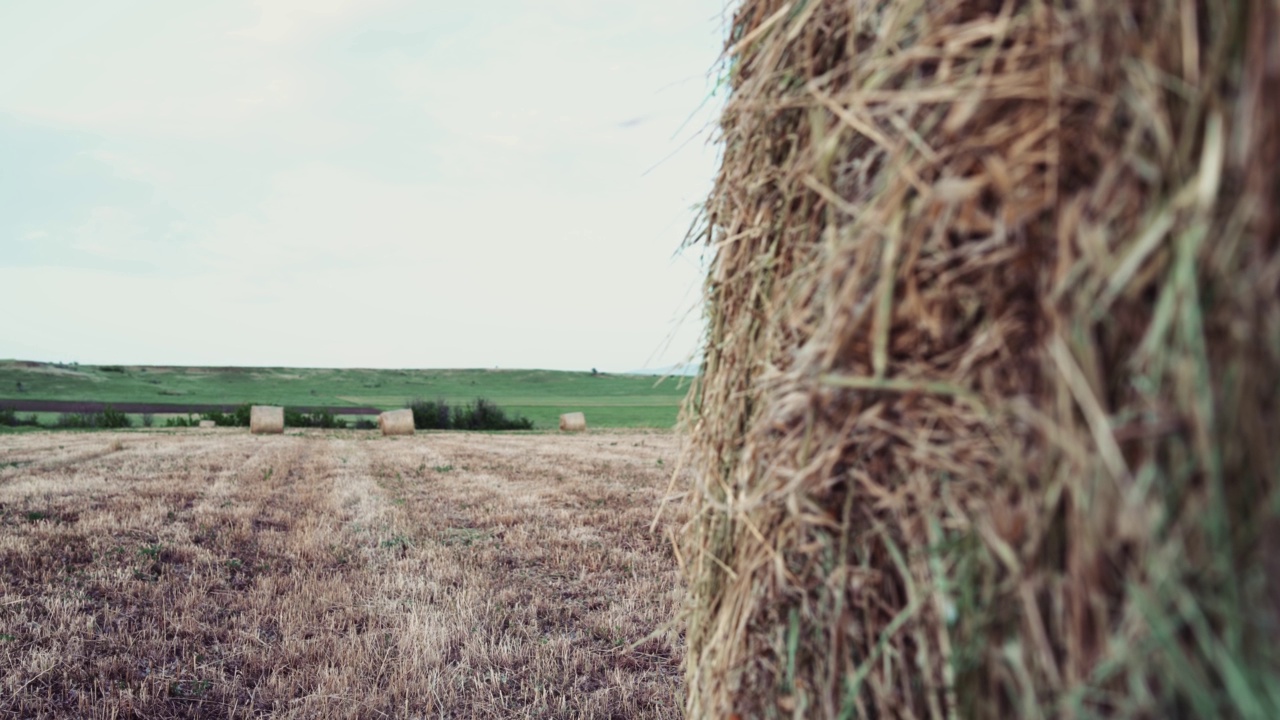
(188, 421)
(112, 418)
(78, 421)
(112, 368)
(430, 415)
(9, 418)
(323, 419)
(107, 419)
(219, 418)
(483, 414)
(236, 418)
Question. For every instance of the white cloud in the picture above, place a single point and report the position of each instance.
(109, 231)
(132, 168)
(347, 168)
(286, 20)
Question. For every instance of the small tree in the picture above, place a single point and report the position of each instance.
(429, 415)
(112, 418)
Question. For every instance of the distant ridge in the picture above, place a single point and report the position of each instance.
(683, 370)
(611, 399)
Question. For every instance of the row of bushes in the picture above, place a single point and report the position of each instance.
(323, 419)
(482, 414)
(9, 418)
(292, 418)
(236, 418)
(479, 415)
(108, 419)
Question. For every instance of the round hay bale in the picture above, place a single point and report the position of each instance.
(206, 424)
(573, 422)
(396, 422)
(986, 427)
(266, 420)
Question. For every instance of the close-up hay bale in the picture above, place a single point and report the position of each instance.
(207, 424)
(266, 420)
(990, 386)
(573, 422)
(396, 422)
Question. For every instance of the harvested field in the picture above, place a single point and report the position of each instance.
(336, 575)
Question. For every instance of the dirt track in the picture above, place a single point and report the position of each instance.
(218, 574)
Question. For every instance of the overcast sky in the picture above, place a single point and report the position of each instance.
(354, 183)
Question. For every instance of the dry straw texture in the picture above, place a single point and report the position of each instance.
(208, 424)
(321, 576)
(266, 419)
(396, 422)
(987, 425)
(573, 422)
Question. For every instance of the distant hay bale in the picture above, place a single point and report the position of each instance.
(573, 422)
(208, 424)
(987, 426)
(266, 419)
(396, 422)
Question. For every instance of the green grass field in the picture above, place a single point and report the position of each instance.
(541, 395)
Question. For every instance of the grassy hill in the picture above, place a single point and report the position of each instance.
(541, 395)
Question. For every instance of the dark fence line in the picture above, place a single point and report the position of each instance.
(74, 406)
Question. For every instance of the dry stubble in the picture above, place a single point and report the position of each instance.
(336, 575)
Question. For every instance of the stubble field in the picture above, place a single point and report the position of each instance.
(336, 575)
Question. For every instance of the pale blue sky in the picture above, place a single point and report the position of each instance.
(354, 182)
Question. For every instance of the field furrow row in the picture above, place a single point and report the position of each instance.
(336, 575)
